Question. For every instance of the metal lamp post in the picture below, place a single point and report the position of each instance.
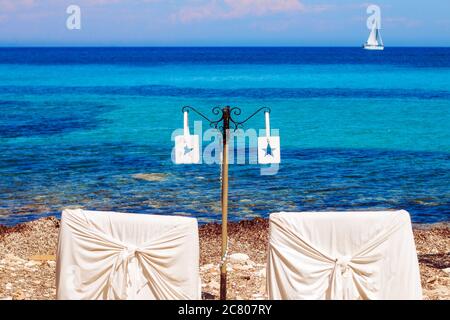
(223, 124)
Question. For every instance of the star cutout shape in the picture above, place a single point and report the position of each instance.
(269, 150)
(187, 149)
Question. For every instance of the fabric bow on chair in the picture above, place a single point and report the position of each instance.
(126, 273)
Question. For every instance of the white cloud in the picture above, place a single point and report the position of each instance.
(14, 5)
(233, 9)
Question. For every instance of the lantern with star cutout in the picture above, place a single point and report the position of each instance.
(268, 146)
(187, 146)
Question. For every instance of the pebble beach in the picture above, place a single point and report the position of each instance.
(28, 261)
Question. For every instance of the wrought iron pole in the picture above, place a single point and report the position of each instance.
(228, 115)
(225, 140)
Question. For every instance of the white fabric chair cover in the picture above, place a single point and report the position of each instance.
(106, 255)
(337, 255)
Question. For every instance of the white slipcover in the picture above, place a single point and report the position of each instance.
(342, 255)
(106, 255)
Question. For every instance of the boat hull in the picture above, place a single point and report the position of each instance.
(369, 47)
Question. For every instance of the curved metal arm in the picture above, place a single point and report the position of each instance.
(233, 112)
(212, 123)
(237, 111)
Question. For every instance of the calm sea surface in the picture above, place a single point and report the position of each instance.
(359, 130)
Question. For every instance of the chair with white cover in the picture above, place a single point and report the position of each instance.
(342, 256)
(107, 255)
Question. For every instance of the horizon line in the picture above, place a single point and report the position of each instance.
(211, 46)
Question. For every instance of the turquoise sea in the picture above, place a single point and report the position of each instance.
(359, 129)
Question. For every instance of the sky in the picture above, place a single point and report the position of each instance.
(222, 22)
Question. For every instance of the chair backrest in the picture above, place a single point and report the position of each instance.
(342, 255)
(108, 255)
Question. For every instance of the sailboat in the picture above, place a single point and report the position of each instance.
(374, 42)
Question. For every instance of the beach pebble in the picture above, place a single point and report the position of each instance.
(51, 264)
(6, 298)
(242, 267)
(214, 285)
(8, 286)
(439, 291)
(261, 273)
(250, 263)
(239, 257)
(431, 279)
(19, 296)
(13, 260)
(257, 296)
(32, 263)
(446, 270)
(208, 266)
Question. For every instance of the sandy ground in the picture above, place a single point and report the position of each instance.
(27, 259)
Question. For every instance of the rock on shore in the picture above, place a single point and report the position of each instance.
(27, 259)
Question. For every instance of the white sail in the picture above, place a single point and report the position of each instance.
(379, 40)
(372, 41)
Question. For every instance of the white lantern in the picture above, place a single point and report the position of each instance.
(187, 146)
(268, 147)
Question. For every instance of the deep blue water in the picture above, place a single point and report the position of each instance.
(359, 129)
